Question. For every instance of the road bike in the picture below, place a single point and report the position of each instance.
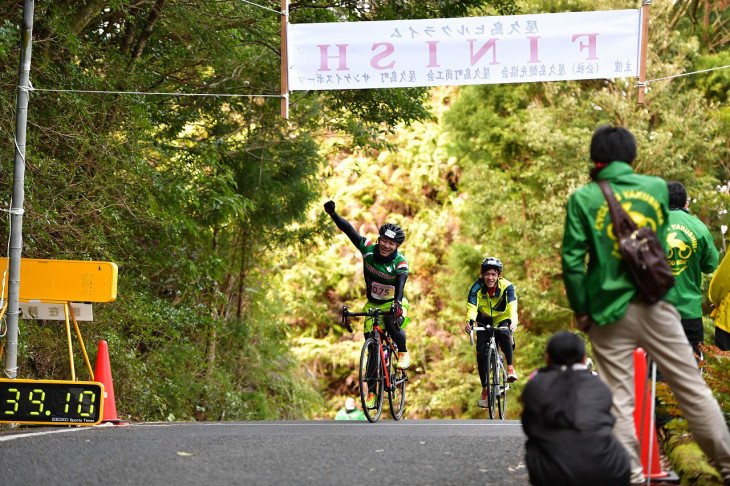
(379, 370)
(497, 385)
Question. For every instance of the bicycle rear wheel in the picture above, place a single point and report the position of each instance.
(397, 390)
(502, 388)
(492, 381)
(371, 379)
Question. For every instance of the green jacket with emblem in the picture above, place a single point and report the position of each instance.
(603, 288)
(692, 252)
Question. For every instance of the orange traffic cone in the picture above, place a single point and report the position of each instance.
(645, 430)
(103, 374)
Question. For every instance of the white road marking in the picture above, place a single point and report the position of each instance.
(34, 434)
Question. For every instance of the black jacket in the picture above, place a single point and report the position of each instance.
(587, 454)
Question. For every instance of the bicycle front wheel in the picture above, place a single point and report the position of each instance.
(502, 388)
(492, 382)
(371, 380)
(397, 390)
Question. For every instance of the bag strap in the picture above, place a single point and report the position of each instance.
(622, 222)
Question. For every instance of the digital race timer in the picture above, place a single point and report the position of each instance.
(51, 402)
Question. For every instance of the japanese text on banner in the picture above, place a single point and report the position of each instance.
(460, 51)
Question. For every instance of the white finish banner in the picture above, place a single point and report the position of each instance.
(470, 50)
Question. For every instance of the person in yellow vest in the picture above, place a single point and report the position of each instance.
(720, 297)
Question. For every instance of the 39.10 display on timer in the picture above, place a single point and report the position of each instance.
(51, 402)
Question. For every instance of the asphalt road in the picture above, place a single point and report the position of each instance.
(418, 452)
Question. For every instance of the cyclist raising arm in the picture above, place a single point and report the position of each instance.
(492, 301)
(386, 271)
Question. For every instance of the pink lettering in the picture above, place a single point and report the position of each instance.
(591, 46)
(342, 56)
(533, 49)
(432, 61)
(374, 62)
(490, 44)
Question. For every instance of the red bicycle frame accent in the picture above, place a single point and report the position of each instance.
(381, 336)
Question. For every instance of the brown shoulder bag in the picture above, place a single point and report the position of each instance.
(642, 251)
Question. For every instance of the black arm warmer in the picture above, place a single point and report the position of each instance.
(347, 228)
(400, 282)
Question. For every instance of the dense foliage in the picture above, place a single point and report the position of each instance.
(490, 175)
(232, 278)
(190, 195)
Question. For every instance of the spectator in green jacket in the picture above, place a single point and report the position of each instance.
(350, 411)
(603, 296)
(692, 252)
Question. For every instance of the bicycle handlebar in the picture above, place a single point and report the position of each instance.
(370, 313)
(487, 327)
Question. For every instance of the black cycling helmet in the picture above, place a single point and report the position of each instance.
(392, 232)
(491, 263)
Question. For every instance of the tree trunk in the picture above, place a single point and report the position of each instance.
(129, 32)
(210, 358)
(84, 14)
(149, 26)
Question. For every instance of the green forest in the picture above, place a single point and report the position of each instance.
(231, 276)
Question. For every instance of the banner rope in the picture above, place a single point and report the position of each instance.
(150, 93)
(261, 6)
(240, 95)
(685, 74)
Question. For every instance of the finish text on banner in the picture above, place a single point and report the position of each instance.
(470, 50)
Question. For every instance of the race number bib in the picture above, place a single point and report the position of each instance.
(382, 292)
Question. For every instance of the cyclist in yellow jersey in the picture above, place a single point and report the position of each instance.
(492, 301)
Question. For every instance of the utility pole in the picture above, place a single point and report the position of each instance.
(16, 205)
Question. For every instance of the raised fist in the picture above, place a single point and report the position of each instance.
(329, 207)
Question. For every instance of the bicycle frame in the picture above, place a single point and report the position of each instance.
(374, 314)
(389, 344)
(501, 365)
(379, 369)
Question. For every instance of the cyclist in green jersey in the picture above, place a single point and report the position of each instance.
(386, 271)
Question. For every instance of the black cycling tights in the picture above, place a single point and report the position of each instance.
(505, 344)
(396, 333)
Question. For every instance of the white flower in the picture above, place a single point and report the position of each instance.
(723, 228)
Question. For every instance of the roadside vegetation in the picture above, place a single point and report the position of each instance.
(232, 279)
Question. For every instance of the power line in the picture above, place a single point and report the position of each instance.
(240, 95)
(686, 74)
(149, 93)
(261, 6)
